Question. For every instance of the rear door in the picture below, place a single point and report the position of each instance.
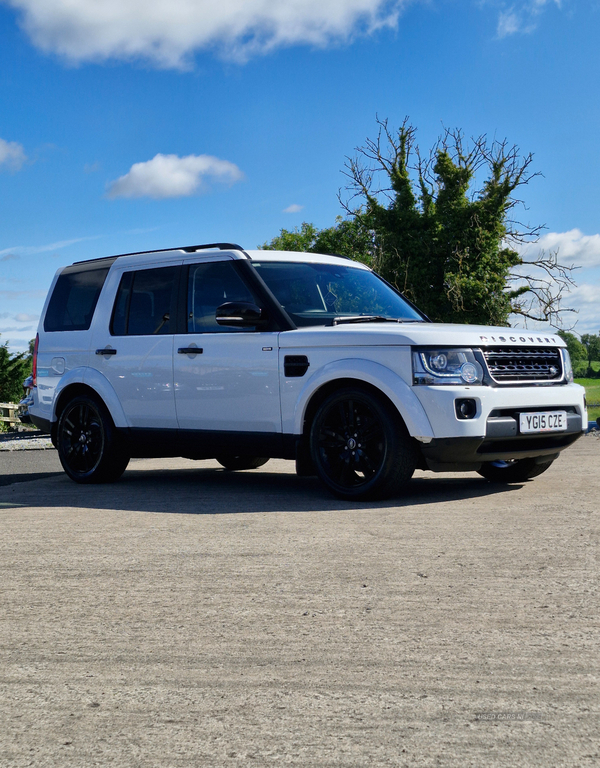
(135, 351)
(231, 382)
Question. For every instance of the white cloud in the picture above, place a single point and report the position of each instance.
(508, 24)
(12, 155)
(172, 176)
(522, 16)
(22, 317)
(11, 295)
(15, 329)
(585, 299)
(294, 208)
(573, 248)
(30, 250)
(168, 33)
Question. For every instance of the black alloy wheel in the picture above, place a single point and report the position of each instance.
(241, 462)
(360, 446)
(516, 471)
(88, 446)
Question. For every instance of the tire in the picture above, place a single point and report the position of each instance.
(360, 447)
(517, 471)
(241, 462)
(89, 447)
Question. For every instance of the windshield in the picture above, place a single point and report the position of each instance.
(316, 294)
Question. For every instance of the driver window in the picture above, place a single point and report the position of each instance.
(209, 286)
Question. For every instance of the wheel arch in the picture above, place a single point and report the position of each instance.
(378, 379)
(95, 385)
(321, 394)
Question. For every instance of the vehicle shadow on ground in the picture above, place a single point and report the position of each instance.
(26, 477)
(214, 491)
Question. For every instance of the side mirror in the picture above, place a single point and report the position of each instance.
(240, 314)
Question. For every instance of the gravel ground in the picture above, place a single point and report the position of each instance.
(25, 443)
(187, 616)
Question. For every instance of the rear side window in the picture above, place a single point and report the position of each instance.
(143, 303)
(74, 300)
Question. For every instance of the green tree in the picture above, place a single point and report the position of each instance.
(302, 240)
(591, 343)
(14, 369)
(576, 349)
(442, 227)
(348, 237)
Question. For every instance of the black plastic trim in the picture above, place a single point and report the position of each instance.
(84, 266)
(44, 425)
(206, 444)
(295, 366)
(211, 246)
(471, 451)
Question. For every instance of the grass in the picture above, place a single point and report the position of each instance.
(592, 392)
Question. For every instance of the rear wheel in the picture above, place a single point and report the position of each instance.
(89, 447)
(360, 446)
(516, 471)
(241, 462)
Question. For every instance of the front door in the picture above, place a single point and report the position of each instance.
(231, 384)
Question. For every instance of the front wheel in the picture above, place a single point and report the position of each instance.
(360, 446)
(241, 462)
(517, 471)
(89, 447)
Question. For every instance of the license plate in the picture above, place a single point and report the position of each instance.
(544, 421)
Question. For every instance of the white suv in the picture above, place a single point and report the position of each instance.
(212, 351)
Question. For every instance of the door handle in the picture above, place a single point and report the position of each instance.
(190, 351)
(106, 351)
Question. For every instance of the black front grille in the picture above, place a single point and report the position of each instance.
(509, 365)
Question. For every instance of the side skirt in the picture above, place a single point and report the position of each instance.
(206, 444)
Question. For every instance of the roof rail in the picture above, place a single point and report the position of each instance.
(187, 249)
(220, 246)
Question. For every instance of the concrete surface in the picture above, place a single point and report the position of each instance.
(187, 616)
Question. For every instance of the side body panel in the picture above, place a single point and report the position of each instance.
(231, 385)
(367, 364)
(141, 370)
(60, 354)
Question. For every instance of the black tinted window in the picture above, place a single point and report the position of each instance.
(316, 294)
(74, 300)
(143, 303)
(209, 286)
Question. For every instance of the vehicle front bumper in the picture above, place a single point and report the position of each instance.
(463, 454)
(494, 434)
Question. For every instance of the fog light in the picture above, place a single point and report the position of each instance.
(466, 408)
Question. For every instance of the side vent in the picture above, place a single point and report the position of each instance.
(295, 366)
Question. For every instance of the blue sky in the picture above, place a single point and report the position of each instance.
(128, 125)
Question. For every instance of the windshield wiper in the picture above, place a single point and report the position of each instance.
(365, 319)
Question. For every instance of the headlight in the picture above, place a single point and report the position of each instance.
(567, 367)
(446, 366)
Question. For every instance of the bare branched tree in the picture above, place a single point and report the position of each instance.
(444, 227)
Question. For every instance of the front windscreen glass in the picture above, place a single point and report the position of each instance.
(318, 294)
